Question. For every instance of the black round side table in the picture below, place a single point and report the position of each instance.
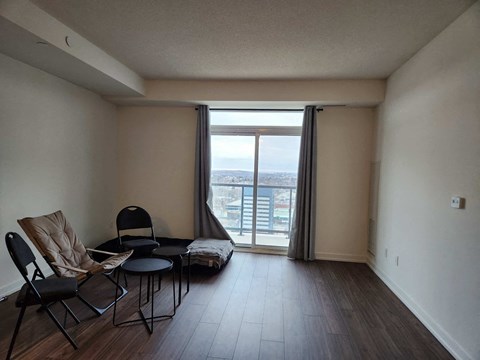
(176, 253)
(149, 267)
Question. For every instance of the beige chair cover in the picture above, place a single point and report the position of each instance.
(56, 241)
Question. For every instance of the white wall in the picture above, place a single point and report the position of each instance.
(156, 171)
(429, 148)
(58, 146)
(156, 165)
(80, 62)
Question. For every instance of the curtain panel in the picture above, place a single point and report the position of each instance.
(206, 225)
(302, 234)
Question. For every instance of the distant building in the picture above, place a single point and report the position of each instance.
(265, 209)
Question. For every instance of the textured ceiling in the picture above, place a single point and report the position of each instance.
(258, 39)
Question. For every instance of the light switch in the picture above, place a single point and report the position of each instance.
(457, 202)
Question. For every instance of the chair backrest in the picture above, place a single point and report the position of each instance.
(134, 217)
(20, 252)
(23, 256)
(55, 239)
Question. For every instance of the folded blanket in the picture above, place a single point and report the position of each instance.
(211, 252)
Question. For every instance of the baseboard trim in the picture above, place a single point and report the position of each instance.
(9, 289)
(341, 257)
(257, 250)
(440, 334)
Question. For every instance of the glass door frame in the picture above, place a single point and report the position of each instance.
(257, 132)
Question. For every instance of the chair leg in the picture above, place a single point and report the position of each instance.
(116, 295)
(15, 332)
(97, 310)
(117, 283)
(65, 319)
(67, 308)
(61, 328)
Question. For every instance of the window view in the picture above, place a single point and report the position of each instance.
(255, 162)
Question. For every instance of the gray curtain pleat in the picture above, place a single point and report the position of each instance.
(206, 225)
(302, 234)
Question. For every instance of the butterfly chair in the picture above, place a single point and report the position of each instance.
(132, 218)
(55, 239)
(38, 290)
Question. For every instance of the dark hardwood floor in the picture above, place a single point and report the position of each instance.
(258, 307)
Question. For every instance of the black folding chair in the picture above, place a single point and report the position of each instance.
(131, 218)
(42, 291)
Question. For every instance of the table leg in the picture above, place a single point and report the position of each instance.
(174, 301)
(180, 281)
(188, 278)
(148, 288)
(153, 297)
(140, 293)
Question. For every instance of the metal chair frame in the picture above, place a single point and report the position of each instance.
(84, 275)
(134, 217)
(22, 267)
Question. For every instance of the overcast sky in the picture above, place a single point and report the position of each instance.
(256, 118)
(277, 153)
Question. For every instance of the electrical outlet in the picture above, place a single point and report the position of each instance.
(396, 260)
(457, 202)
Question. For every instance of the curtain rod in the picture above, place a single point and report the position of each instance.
(251, 109)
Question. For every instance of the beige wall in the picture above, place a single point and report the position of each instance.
(156, 165)
(57, 151)
(156, 170)
(344, 153)
(278, 94)
(429, 148)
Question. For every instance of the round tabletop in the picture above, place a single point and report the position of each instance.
(170, 251)
(145, 266)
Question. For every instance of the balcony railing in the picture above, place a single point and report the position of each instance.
(233, 206)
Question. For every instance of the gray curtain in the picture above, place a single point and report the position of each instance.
(206, 224)
(302, 235)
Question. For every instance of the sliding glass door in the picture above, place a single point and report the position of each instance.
(254, 175)
(232, 178)
(276, 188)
